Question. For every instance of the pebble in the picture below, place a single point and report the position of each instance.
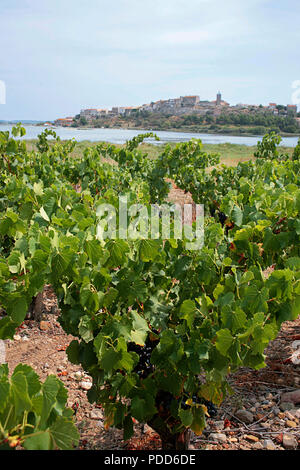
(291, 397)
(218, 437)
(251, 438)
(45, 325)
(291, 424)
(86, 385)
(96, 414)
(78, 375)
(257, 446)
(245, 416)
(269, 445)
(285, 406)
(289, 415)
(289, 441)
(17, 337)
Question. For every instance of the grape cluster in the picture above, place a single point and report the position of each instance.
(211, 409)
(144, 366)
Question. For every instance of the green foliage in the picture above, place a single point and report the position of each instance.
(150, 316)
(33, 415)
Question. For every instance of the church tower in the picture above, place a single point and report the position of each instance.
(219, 99)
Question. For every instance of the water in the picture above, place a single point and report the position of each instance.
(120, 136)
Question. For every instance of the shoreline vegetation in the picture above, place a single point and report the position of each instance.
(238, 124)
(230, 154)
(234, 132)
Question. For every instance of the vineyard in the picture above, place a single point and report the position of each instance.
(159, 327)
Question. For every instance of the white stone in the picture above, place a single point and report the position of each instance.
(269, 445)
(96, 414)
(86, 385)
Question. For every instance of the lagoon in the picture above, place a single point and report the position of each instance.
(120, 136)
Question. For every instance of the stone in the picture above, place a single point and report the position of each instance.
(245, 416)
(284, 406)
(251, 438)
(218, 437)
(269, 445)
(257, 446)
(17, 337)
(291, 397)
(45, 325)
(96, 414)
(86, 385)
(289, 441)
(2, 352)
(290, 415)
(219, 425)
(291, 424)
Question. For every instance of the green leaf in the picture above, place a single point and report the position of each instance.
(128, 428)
(44, 214)
(187, 312)
(4, 393)
(237, 216)
(73, 352)
(42, 441)
(110, 360)
(19, 391)
(85, 329)
(224, 341)
(32, 378)
(17, 308)
(148, 250)
(143, 408)
(64, 434)
(50, 389)
(186, 417)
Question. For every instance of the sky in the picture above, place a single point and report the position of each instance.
(60, 56)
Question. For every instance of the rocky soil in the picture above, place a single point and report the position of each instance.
(262, 414)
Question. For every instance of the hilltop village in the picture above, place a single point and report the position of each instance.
(184, 105)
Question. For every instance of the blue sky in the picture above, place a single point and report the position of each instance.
(58, 56)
